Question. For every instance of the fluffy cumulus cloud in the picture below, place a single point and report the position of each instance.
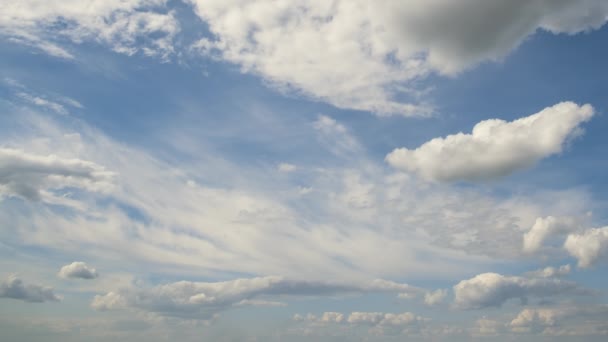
(126, 26)
(364, 55)
(78, 270)
(13, 287)
(33, 176)
(198, 300)
(494, 148)
(435, 297)
(492, 289)
(588, 247)
(545, 228)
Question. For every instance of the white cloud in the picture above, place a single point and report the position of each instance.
(332, 317)
(435, 297)
(201, 300)
(492, 289)
(359, 318)
(588, 247)
(380, 318)
(78, 270)
(336, 137)
(487, 327)
(366, 55)
(545, 228)
(356, 54)
(13, 287)
(376, 323)
(495, 148)
(551, 272)
(286, 167)
(360, 222)
(31, 175)
(571, 320)
(56, 107)
(126, 26)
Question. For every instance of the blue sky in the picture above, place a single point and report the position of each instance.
(303, 170)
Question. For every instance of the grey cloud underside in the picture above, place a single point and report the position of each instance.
(15, 288)
(31, 176)
(493, 290)
(78, 270)
(356, 54)
(197, 300)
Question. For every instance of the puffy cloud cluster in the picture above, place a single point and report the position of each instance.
(561, 320)
(494, 148)
(13, 287)
(359, 53)
(198, 300)
(126, 26)
(589, 246)
(30, 176)
(78, 270)
(492, 289)
(379, 323)
(387, 319)
(545, 228)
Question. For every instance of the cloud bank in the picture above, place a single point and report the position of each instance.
(492, 289)
(198, 300)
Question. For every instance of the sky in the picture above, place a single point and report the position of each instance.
(289, 170)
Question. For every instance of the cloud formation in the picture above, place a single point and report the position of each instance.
(492, 289)
(13, 287)
(551, 272)
(572, 320)
(355, 54)
(30, 176)
(361, 54)
(378, 323)
(545, 228)
(126, 26)
(588, 247)
(435, 297)
(495, 148)
(198, 300)
(78, 270)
